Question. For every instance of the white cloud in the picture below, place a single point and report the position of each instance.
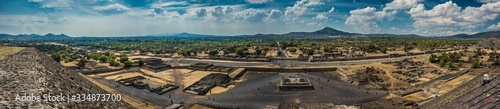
(401, 4)
(331, 10)
(299, 8)
(166, 4)
(258, 1)
(251, 15)
(275, 14)
(201, 12)
(112, 7)
(53, 3)
(488, 1)
(321, 16)
(494, 26)
(368, 18)
(450, 16)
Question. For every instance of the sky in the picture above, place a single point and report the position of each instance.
(240, 17)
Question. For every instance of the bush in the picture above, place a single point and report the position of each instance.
(127, 64)
(103, 58)
(141, 62)
(56, 56)
(292, 49)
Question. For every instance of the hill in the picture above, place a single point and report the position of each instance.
(489, 34)
(49, 36)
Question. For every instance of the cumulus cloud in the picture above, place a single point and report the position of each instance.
(401, 4)
(53, 3)
(251, 15)
(494, 26)
(275, 14)
(258, 1)
(488, 1)
(321, 16)
(112, 7)
(201, 13)
(166, 4)
(331, 10)
(368, 18)
(300, 7)
(450, 16)
(324, 15)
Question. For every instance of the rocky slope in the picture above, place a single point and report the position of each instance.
(491, 42)
(31, 72)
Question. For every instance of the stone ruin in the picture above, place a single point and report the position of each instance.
(155, 65)
(210, 67)
(30, 71)
(366, 77)
(200, 66)
(294, 84)
(208, 82)
(139, 82)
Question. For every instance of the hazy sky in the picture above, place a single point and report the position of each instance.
(236, 17)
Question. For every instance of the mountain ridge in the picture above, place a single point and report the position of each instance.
(324, 32)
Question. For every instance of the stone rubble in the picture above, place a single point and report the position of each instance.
(32, 72)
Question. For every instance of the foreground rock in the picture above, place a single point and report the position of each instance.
(31, 72)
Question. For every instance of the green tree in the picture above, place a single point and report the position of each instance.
(460, 64)
(292, 49)
(258, 52)
(141, 62)
(81, 62)
(383, 50)
(475, 63)
(66, 59)
(450, 65)
(127, 64)
(56, 56)
(113, 63)
(432, 58)
(442, 62)
(103, 58)
(240, 51)
(123, 59)
(310, 52)
(213, 52)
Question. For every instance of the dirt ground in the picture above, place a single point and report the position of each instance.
(219, 89)
(167, 75)
(4, 51)
(191, 77)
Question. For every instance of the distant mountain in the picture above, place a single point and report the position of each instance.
(182, 35)
(322, 33)
(49, 36)
(489, 34)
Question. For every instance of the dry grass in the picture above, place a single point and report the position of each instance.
(167, 75)
(191, 77)
(123, 76)
(218, 89)
(417, 97)
(445, 87)
(103, 74)
(4, 51)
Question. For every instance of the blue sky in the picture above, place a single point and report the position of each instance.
(237, 17)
